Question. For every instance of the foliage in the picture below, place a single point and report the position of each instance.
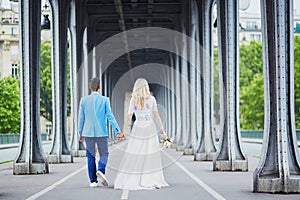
(216, 88)
(46, 82)
(297, 80)
(9, 105)
(252, 85)
(252, 103)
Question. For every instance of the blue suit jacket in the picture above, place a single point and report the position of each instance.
(94, 110)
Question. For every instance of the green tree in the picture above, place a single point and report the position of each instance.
(251, 62)
(251, 86)
(297, 80)
(46, 82)
(216, 88)
(9, 105)
(252, 103)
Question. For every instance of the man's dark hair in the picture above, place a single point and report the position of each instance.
(94, 84)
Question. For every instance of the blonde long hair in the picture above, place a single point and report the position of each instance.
(141, 92)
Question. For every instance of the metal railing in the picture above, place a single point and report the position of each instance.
(259, 134)
(14, 138)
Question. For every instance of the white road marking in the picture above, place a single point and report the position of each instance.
(51, 187)
(125, 194)
(196, 179)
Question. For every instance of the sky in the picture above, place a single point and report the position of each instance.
(255, 6)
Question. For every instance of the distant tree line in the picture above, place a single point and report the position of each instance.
(10, 94)
(252, 85)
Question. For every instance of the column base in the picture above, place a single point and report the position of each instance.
(204, 156)
(179, 148)
(61, 159)
(273, 184)
(173, 146)
(230, 165)
(33, 168)
(188, 151)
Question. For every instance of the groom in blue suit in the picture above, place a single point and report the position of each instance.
(94, 111)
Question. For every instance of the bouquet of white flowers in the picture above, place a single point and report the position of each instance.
(166, 141)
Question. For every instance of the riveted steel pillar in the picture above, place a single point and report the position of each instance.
(173, 99)
(177, 84)
(185, 87)
(30, 158)
(279, 168)
(230, 156)
(167, 102)
(193, 72)
(207, 149)
(60, 152)
(185, 104)
(168, 98)
(77, 147)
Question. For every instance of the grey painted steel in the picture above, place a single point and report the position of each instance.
(207, 149)
(185, 97)
(77, 147)
(193, 74)
(173, 100)
(186, 137)
(30, 158)
(166, 104)
(179, 143)
(60, 152)
(199, 96)
(168, 101)
(279, 167)
(230, 156)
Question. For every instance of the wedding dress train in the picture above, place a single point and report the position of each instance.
(141, 166)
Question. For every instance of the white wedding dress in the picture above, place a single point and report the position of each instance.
(141, 165)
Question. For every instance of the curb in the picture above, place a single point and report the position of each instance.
(15, 145)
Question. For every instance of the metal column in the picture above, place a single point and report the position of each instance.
(60, 152)
(178, 138)
(77, 147)
(173, 100)
(207, 149)
(230, 156)
(30, 158)
(279, 168)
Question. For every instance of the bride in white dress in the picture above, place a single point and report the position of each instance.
(141, 165)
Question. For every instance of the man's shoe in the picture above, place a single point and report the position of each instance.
(102, 178)
(93, 184)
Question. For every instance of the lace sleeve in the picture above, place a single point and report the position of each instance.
(154, 108)
(131, 107)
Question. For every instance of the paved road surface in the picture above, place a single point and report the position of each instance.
(187, 179)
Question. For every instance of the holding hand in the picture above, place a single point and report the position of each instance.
(166, 141)
(81, 139)
(120, 135)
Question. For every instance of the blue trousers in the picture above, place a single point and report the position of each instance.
(102, 145)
